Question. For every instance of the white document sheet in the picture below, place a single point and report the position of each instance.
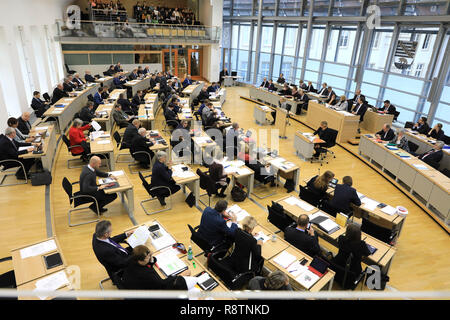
(389, 210)
(284, 259)
(116, 173)
(296, 269)
(169, 263)
(104, 141)
(95, 125)
(38, 249)
(369, 203)
(243, 171)
(307, 279)
(262, 236)
(139, 237)
(23, 148)
(52, 282)
(328, 225)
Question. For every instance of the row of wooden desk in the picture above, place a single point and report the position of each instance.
(426, 184)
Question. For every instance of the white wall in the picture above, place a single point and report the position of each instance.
(31, 59)
(211, 13)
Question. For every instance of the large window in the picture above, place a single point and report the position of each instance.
(289, 7)
(379, 49)
(266, 39)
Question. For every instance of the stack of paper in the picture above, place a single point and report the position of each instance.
(369, 204)
(106, 181)
(284, 259)
(41, 128)
(296, 269)
(317, 214)
(389, 210)
(23, 148)
(139, 237)
(38, 249)
(243, 171)
(307, 279)
(293, 201)
(262, 236)
(163, 241)
(360, 195)
(169, 263)
(116, 173)
(104, 141)
(52, 282)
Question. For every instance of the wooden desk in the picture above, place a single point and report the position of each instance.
(272, 98)
(152, 98)
(379, 257)
(374, 121)
(286, 169)
(428, 186)
(193, 90)
(106, 109)
(138, 84)
(48, 145)
(193, 183)
(304, 147)
(345, 123)
(325, 281)
(158, 146)
(147, 116)
(315, 96)
(104, 146)
(125, 191)
(260, 112)
(32, 268)
(29, 286)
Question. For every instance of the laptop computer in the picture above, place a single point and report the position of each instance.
(318, 266)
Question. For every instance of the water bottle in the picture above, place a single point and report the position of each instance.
(189, 253)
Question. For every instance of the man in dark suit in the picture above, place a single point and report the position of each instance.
(141, 143)
(324, 90)
(98, 100)
(130, 132)
(354, 101)
(67, 85)
(386, 134)
(302, 237)
(310, 87)
(271, 86)
(360, 108)
(58, 93)
(77, 80)
(434, 155)
(118, 67)
(38, 105)
(223, 73)
(88, 77)
(286, 91)
(213, 227)
(126, 105)
(302, 85)
(153, 81)
(421, 126)
(344, 194)
(118, 81)
(387, 108)
(110, 71)
(265, 83)
(107, 249)
(133, 75)
(203, 95)
(88, 185)
(331, 96)
(120, 117)
(303, 97)
(24, 125)
(162, 177)
(281, 79)
(325, 134)
(87, 112)
(138, 99)
(9, 150)
(170, 114)
(140, 71)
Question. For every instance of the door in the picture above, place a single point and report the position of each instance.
(166, 61)
(195, 63)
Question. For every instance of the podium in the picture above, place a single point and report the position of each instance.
(281, 122)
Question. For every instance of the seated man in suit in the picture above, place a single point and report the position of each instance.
(88, 185)
(118, 81)
(354, 101)
(138, 99)
(331, 97)
(385, 134)
(324, 90)
(133, 75)
(140, 71)
(436, 133)
(118, 67)
(286, 91)
(302, 85)
(281, 79)
(434, 155)
(105, 93)
(153, 82)
(400, 140)
(9, 149)
(295, 94)
(88, 77)
(162, 177)
(203, 95)
(344, 194)
(360, 108)
(303, 236)
(265, 83)
(324, 133)
(310, 87)
(24, 124)
(211, 88)
(98, 100)
(187, 81)
(421, 126)
(303, 97)
(38, 105)
(110, 72)
(141, 143)
(130, 132)
(120, 117)
(271, 86)
(67, 85)
(87, 112)
(223, 73)
(213, 226)
(146, 70)
(126, 105)
(171, 115)
(107, 249)
(58, 93)
(387, 107)
(78, 80)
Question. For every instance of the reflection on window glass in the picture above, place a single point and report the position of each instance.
(268, 7)
(244, 40)
(276, 66)
(410, 85)
(235, 35)
(379, 49)
(266, 39)
(242, 63)
(242, 8)
(370, 91)
(303, 40)
(315, 50)
(287, 67)
(289, 7)
(279, 40)
(311, 76)
(401, 99)
(290, 40)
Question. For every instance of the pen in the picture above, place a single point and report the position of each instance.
(292, 271)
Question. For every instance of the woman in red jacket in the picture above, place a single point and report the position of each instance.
(76, 137)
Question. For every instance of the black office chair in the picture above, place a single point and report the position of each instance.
(409, 124)
(121, 146)
(203, 244)
(7, 279)
(446, 172)
(68, 69)
(278, 218)
(153, 193)
(76, 199)
(69, 149)
(328, 208)
(446, 139)
(207, 184)
(309, 196)
(383, 234)
(346, 278)
(396, 114)
(433, 164)
(412, 147)
(90, 97)
(233, 280)
(46, 97)
(326, 148)
(137, 163)
(10, 167)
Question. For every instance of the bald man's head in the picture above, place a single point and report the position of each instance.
(95, 162)
(26, 116)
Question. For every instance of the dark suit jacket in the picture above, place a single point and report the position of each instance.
(161, 175)
(78, 81)
(361, 110)
(286, 92)
(203, 95)
(170, 114)
(324, 93)
(24, 126)
(7, 149)
(390, 109)
(153, 83)
(58, 94)
(89, 78)
(320, 192)
(88, 183)
(343, 196)
(423, 129)
(213, 228)
(117, 69)
(310, 88)
(244, 244)
(119, 117)
(281, 80)
(109, 72)
(130, 132)
(305, 99)
(386, 136)
(111, 257)
(358, 249)
(132, 76)
(222, 74)
(264, 84)
(38, 106)
(302, 241)
(136, 101)
(435, 156)
(126, 105)
(210, 89)
(436, 135)
(302, 86)
(140, 143)
(68, 87)
(137, 277)
(325, 135)
(86, 114)
(272, 87)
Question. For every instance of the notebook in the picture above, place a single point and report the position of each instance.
(205, 281)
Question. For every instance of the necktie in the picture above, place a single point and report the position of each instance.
(15, 147)
(427, 154)
(357, 109)
(118, 246)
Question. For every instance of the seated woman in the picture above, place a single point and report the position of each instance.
(400, 140)
(276, 280)
(218, 175)
(246, 255)
(342, 104)
(437, 132)
(263, 173)
(319, 184)
(162, 177)
(77, 138)
(141, 275)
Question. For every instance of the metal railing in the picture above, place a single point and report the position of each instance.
(108, 29)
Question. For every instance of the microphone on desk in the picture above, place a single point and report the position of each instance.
(318, 169)
(146, 113)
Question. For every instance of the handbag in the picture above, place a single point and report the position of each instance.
(41, 178)
(238, 194)
(190, 200)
